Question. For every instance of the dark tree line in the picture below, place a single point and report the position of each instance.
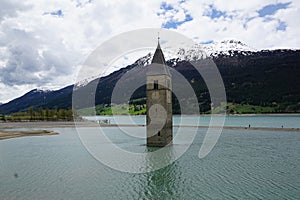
(40, 114)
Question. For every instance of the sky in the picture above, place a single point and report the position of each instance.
(43, 43)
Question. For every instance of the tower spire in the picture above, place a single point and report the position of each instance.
(158, 37)
(158, 56)
(158, 62)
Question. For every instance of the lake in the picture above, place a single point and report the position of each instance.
(244, 164)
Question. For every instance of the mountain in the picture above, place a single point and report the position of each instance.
(39, 98)
(267, 78)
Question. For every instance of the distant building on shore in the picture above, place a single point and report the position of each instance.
(159, 101)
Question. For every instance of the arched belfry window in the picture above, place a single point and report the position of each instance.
(156, 85)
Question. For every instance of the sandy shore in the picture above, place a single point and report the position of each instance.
(7, 133)
(14, 134)
(45, 124)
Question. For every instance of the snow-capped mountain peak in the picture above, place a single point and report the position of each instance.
(201, 51)
(225, 47)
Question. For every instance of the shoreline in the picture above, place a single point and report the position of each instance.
(6, 126)
(226, 115)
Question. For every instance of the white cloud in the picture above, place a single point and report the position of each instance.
(44, 50)
(243, 22)
(38, 49)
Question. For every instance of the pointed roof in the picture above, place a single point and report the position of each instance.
(158, 65)
(159, 57)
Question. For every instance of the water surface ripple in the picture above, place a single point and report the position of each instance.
(245, 164)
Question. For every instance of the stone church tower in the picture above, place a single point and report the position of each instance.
(159, 101)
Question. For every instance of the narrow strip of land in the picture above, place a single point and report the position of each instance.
(47, 124)
(247, 128)
(4, 126)
(14, 134)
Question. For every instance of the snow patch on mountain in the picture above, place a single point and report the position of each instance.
(192, 53)
(145, 60)
(84, 82)
(41, 90)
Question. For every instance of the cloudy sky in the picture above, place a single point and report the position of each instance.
(43, 43)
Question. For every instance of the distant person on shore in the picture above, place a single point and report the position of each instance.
(249, 126)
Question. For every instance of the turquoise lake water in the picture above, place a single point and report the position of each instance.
(245, 164)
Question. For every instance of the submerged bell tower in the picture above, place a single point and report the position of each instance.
(159, 101)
